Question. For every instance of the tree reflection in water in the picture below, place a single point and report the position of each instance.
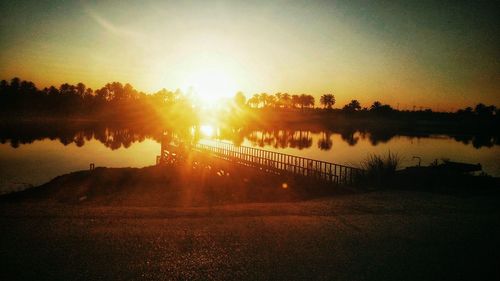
(325, 142)
(113, 137)
(118, 136)
(280, 138)
(302, 139)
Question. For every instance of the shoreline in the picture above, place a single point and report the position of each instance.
(314, 119)
(223, 182)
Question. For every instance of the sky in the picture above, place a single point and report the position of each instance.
(438, 54)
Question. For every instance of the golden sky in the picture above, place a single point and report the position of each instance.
(439, 54)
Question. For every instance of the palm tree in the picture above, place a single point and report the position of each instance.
(279, 99)
(254, 101)
(286, 100)
(80, 89)
(271, 101)
(354, 105)
(295, 101)
(327, 100)
(306, 101)
(376, 105)
(263, 98)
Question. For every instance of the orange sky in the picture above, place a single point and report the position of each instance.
(432, 54)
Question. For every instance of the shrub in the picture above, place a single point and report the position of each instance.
(380, 169)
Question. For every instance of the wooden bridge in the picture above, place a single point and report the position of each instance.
(270, 161)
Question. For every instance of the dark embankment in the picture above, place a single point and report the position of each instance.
(180, 185)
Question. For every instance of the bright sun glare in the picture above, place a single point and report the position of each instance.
(207, 130)
(211, 85)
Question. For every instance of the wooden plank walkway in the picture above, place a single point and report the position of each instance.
(278, 163)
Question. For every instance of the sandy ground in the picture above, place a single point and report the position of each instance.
(373, 236)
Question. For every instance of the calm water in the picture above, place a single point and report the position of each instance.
(35, 160)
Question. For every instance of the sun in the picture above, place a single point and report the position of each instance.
(211, 85)
(207, 130)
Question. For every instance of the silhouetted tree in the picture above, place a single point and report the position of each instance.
(484, 111)
(27, 87)
(466, 111)
(52, 91)
(264, 99)
(4, 86)
(254, 101)
(67, 89)
(296, 101)
(327, 100)
(115, 101)
(278, 98)
(353, 106)
(306, 101)
(80, 89)
(286, 100)
(271, 101)
(14, 85)
(376, 105)
(282, 100)
(89, 93)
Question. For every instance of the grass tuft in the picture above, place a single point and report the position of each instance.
(380, 169)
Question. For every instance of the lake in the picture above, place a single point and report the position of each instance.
(35, 158)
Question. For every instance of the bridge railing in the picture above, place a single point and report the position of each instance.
(281, 163)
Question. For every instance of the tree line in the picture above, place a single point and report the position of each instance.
(113, 101)
(122, 101)
(327, 101)
(281, 100)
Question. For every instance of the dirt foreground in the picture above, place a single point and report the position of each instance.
(372, 236)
